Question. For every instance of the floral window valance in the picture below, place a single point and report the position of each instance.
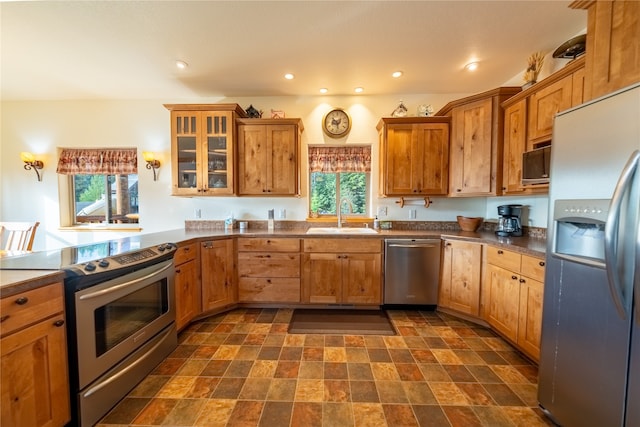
(340, 159)
(98, 161)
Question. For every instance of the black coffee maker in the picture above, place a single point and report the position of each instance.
(509, 221)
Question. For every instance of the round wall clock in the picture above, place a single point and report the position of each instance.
(336, 123)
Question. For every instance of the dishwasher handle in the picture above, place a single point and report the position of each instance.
(405, 245)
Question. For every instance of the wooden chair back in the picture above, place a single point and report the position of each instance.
(18, 236)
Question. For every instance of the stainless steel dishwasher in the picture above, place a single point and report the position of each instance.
(411, 271)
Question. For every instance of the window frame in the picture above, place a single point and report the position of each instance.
(367, 202)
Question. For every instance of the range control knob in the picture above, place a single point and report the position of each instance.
(103, 263)
(90, 266)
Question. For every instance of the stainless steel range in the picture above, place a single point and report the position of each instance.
(120, 322)
(120, 309)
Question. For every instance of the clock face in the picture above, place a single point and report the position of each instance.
(336, 123)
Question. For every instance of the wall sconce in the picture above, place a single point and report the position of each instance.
(152, 163)
(30, 162)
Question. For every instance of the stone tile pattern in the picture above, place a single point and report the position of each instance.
(242, 368)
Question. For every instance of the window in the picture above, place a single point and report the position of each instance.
(98, 186)
(91, 204)
(339, 176)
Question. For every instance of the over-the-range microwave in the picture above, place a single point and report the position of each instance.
(535, 166)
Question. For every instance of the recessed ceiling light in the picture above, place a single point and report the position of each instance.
(324, 90)
(471, 66)
(181, 64)
(396, 74)
(358, 90)
(288, 76)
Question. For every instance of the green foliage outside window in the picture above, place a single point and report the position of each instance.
(328, 188)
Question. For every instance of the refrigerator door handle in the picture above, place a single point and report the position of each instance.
(611, 232)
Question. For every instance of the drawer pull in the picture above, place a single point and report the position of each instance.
(22, 300)
(58, 323)
(500, 252)
(3, 318)
(541, 263)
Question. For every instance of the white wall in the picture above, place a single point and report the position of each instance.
(42, 126)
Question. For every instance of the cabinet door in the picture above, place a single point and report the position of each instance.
(416, 159)
(432, 158)
(361, 281)
(471, 149)
(282, 160)
(401, 179)
(185, 152)
(515, 143)
(322, 278)
(544, 104)
(460, 282)
(252, 159)
(216, 259)
(504, 300)
(217, 152)
(530, 316)
(35, 388)
(187, 293)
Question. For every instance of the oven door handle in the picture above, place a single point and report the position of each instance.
(138, 361)
(125, 284)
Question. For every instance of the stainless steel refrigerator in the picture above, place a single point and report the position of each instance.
(589, 373)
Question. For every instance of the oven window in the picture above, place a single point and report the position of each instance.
(119, 319)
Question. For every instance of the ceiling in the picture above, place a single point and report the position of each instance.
(128, 49)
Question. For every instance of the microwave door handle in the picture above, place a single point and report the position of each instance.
(611, 231)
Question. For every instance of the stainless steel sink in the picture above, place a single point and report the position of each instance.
(342, 230)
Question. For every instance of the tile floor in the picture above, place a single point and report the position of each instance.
(242, 368)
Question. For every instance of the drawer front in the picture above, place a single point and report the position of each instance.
(18, 311)
(504, 258)
(263, 264)
(257, 289)
(533, 267)
(272, 245)
(185, 253)
(343, 245)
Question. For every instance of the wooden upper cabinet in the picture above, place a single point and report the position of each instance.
(268, 157)
(613, 45)
(203, 148)
(543, 106)
(477, 127)
(414, 157)
(515, 143)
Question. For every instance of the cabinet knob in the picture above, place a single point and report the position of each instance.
(58, 323)
(177, 270)
(522, 281)
(514, 277)
(500, 252)
(541, 263)
(458, 190)
(22, 300)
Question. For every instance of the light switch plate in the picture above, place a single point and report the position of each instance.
(282, 213)
(412, 214)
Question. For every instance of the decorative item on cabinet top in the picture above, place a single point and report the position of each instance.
(253, 113)
(400, 111)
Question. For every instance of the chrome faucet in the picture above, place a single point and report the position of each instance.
(349, 205)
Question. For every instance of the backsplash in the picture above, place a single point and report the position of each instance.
(203, 225)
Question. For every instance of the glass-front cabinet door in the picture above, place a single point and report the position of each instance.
(218, 152)
(202, 148)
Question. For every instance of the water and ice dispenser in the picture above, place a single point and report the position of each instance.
(579, 228)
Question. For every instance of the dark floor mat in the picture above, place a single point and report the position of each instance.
(340, 321)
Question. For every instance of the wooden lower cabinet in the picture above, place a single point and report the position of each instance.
(513, 297)
(217, 272)
(33, 354)
(342, 271)
(460, 277)
(187, 284)
(268, 270)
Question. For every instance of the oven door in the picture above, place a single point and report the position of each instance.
(116, 317)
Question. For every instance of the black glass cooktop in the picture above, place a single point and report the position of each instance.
(61, 258)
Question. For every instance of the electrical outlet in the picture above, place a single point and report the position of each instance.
(382, 211)
(412, 214)
(282, 213)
